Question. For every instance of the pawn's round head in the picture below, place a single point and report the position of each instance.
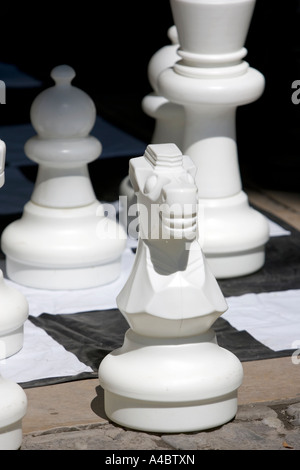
(63, 111)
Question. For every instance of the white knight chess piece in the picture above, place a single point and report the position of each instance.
(170, 375)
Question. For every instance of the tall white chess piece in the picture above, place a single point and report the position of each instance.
(63, 240)
(170, 375)
(13, 313)
(210, 81)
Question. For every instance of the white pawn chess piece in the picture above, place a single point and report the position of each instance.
(210, 81)
(63, 240)
(13, 313)
(170, 375)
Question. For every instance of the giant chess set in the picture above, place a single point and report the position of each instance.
(154, 282)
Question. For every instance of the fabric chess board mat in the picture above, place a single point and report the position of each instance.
(68, 333)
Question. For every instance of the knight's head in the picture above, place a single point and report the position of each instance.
(163, 180)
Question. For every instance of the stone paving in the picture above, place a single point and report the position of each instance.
(267, 426)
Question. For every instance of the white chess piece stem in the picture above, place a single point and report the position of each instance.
(13, 313)
(210, 81)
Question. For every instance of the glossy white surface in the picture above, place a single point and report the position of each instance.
(170, 375)
(13, 313)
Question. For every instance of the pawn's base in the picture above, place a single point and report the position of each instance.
(11, 436)
(73, 248)
(233, 235)
(13, 407)
(61, 278)
(170, 385)
(11, 343)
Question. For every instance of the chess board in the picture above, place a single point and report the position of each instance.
(68, 333)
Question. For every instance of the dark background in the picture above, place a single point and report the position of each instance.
(110, 43)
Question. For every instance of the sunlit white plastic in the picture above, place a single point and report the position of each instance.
(13, 407)
(210, 80)
(170, 375)
(13, 305)
(13, 313)
(63, 240)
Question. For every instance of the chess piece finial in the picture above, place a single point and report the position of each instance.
(170, 375)
(210, 80)
(13, 314)
(63, 240)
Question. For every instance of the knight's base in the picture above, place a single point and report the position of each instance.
(170, 417)
(233, 236)
(171, 385)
